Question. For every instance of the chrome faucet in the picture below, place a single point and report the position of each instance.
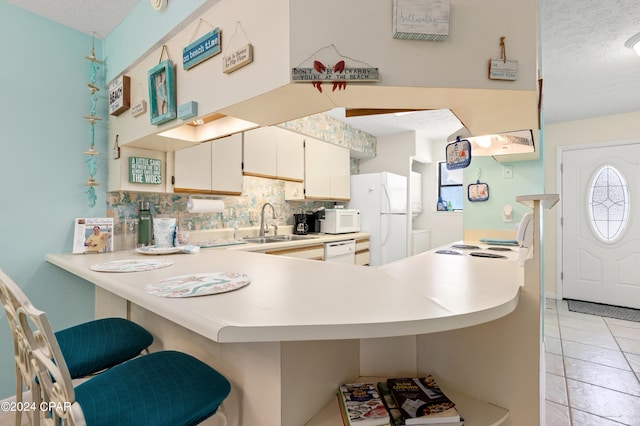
(263, 231)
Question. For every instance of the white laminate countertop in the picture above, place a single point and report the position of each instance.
(292, 299)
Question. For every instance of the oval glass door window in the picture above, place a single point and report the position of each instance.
(608, 204)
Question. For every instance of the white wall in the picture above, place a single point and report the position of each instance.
(393, 154)
(446, 227)
(362, 31)
(594, 130)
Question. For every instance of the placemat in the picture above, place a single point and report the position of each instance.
(198, 284)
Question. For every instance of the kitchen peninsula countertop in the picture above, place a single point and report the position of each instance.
(292, 299)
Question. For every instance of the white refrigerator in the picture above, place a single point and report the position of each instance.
(382, 201)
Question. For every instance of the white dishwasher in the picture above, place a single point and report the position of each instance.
(340, 251)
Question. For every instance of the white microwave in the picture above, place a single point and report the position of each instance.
(340, 221)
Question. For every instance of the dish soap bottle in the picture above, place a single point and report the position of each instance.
(145, 225)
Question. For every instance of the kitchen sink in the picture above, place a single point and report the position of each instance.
(292, 237)
(277, 238)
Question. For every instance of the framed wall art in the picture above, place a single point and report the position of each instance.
(162, 92)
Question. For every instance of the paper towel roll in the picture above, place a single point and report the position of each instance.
(204, 206)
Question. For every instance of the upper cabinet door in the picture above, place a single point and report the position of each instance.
(317, 169)
(211, 167)
(327, 171)
(226, 165)
(192, 169)
(290, 155)
(341, 174)
(260, 152)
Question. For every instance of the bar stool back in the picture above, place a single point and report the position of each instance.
(165, 388)
(87, 348)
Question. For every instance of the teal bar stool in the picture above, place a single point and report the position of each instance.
(87, 348)
(165, 388)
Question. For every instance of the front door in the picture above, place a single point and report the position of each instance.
(601, 224)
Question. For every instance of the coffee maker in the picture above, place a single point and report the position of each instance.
(313, 219)
(300, 226)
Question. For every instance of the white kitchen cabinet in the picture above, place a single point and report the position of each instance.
(273, 152)
(327, 171)
(290, 157)
(260, 152)
(211, 167)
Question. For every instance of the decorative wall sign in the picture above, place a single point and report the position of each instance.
(337, 72)
(478, 191)
(145, 170)
(502, 69)
(162, 92)
(421, 19)
(237, 59)
(202, 49)
(458, 154)
(139, 108)
(119, 95)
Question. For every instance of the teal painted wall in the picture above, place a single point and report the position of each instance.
(142, 28)
(487, 215)
(43, 167)
(44, 96)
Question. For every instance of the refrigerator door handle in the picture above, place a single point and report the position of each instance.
(384, 216)
(387, 198)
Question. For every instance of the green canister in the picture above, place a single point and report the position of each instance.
(145, 224)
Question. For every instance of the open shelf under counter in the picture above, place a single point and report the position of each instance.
(474, 411)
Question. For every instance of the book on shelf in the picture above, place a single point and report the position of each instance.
(396, 415)
(422, 402)
(361, 405)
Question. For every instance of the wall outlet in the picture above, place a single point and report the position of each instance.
(507, 172)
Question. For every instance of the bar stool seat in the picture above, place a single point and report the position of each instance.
(163, 388)
(94, 346)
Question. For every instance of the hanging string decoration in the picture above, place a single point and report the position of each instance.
(91, 153)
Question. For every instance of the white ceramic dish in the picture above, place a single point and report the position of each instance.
(159, 250)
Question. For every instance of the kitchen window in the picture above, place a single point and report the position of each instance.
(450, 186)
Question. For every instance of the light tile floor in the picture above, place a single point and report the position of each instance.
(592, 368)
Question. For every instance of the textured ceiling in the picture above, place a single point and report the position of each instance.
(587, 70)
(93, 17)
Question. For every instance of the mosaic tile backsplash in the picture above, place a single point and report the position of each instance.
(245, 209)
(326, 128)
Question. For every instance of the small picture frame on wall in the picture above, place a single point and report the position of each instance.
(162, 92)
